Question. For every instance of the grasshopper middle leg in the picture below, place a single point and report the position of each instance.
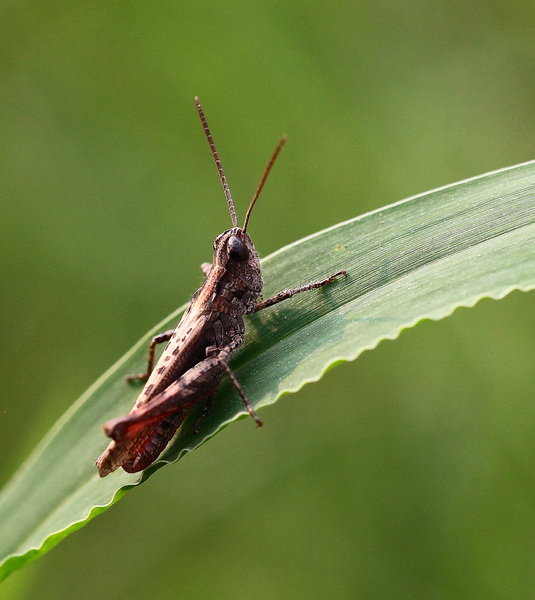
(157, 339)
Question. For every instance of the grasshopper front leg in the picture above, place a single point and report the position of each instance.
(285, 294)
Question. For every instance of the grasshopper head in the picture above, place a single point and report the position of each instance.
(233, 249)
(235, 252)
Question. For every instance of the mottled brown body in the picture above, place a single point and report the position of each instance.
(198, 350)
(190, 368)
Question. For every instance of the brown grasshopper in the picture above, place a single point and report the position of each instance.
(199, 349)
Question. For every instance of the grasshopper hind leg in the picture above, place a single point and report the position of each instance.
(154, 445)
(236, 384)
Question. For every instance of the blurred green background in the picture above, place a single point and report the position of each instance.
(407, 474)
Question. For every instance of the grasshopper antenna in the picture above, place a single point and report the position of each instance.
(271, 162)
(218, 164)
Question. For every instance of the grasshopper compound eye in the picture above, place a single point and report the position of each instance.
(237, 250)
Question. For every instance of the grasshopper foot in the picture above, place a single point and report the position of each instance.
(137, 379)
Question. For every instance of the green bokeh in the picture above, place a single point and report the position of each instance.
(408, 474)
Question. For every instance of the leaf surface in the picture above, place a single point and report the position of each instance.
(417, 259)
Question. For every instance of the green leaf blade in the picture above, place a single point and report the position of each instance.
(418, 259)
